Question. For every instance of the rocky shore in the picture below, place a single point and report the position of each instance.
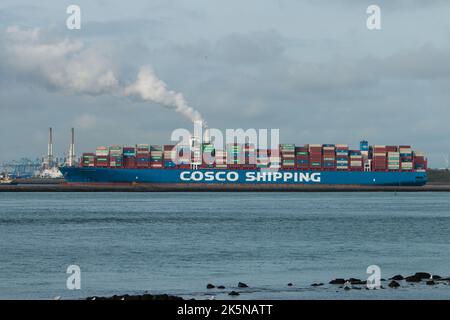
(419, 280)
(394, 282)
(138, 297)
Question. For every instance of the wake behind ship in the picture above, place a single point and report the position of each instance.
(327, 164)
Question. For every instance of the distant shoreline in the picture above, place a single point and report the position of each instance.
(63, 187)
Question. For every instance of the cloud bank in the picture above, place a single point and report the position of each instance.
(73, 67)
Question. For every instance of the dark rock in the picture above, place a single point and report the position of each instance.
(383, 279)
(436, 277)
(242, 285)
(317, 284)
(397, 277)
(413, 278)
(289, 284)
(356, 281)
(394, 284)
(346, 288)
(337, 281)
(423, 275)
(221, 287)
(431, 283)
(210, 286)
(233, 293)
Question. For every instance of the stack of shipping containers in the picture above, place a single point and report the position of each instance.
(234, 154)
(183, 156)
(379, 161)
(129, 157)
(419, 161)
(101, 157)
(221, 159)
(245, 156)
(115, 156)
(287, 156)
(406, 158)
(208, 153)
(356, 160)
(249, 156)
(342, 157)
(274, 159)
(315, 156)
(393, 158)
(156, 156)
(328, 157)
(88, 160)
(169, 155)
(302, 158)
(142, 156)
(262, 158)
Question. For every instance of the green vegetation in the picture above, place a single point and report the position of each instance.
(438, 176)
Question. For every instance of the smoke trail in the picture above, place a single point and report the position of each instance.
(149, 88)
(75, 67)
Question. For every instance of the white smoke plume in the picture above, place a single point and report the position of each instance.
(149, 88)
(72, 66)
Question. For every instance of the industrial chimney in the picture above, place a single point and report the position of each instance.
(50, 149)
(72, 148)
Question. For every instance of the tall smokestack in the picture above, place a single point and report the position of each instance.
(50, 148)
(72, 148)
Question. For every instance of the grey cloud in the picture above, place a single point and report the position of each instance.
(257, 47)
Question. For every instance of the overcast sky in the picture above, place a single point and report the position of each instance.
(310, 68)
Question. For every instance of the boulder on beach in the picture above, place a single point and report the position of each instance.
(289, 284)
(436, 277)
(397, 277)
(394, 284)
(337, 281)
(233, 293)
(210, 286)
(431, 283)
(413, 278)
(221, 287)
(317, 284)
(356, 281)
(242, 285)
(423, 275)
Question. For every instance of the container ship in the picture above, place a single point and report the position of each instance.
(323, 164)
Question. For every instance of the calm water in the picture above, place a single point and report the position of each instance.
(178, 242)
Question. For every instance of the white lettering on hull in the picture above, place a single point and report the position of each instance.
(250, 176)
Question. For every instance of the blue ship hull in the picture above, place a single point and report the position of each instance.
(218, 176)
